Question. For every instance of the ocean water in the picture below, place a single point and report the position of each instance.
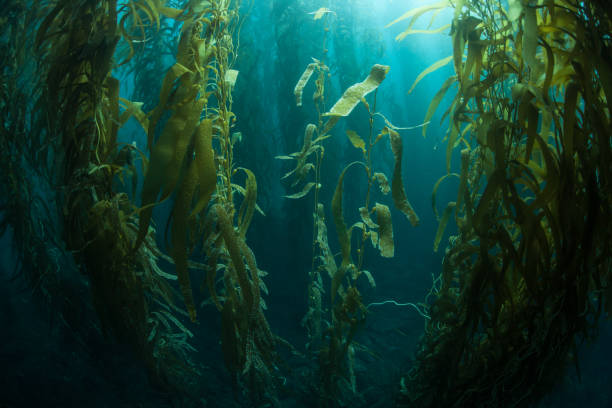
(89, 318)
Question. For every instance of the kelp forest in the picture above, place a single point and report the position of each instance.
(303, 203)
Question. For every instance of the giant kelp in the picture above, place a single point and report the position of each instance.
(334, 346)
(528, 273)
(74, 133)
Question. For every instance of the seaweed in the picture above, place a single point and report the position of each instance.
(527, 276)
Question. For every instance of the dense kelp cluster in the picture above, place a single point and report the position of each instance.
(528, 274)
(74, 126)
(116, 236)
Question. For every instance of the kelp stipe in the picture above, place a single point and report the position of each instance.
(528, 275)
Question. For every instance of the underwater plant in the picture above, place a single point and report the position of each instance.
(528, 274)
(332, 339)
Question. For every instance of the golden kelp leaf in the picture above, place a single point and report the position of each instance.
(397, 185)
(299, 87)
(435, 102)
(373, 238)
(406, 33)
(365, 217)
(415, 13)
(370, 278)
(329, 263)
(245, 214)
(230, 76)
(133, 109)
(530, 40)
(385, 242)
(171, 12)
(442, 226)
(435, 192)
(515, 8)
(321, 12)
(180, 216)
(156, 176)
(302, 193)
(433, 67)
(343, 236)
(462, 191)
(356, 140)
(383, 183)
(205, 162)
(354, 94)
(249, 293)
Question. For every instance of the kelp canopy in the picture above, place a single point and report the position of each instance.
(115, 237)
(529, 272)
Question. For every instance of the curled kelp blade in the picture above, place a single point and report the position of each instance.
(299, 87)
(397, 185)
(385, 231)
(355, 94)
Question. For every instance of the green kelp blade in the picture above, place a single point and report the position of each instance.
(356, 140)
(432, 68)
(397, 185)
(354, 94)
(205, 162)
(435, 192)
(180, 221)
(305, 190)
(156, 176)
(406, 33)
(417, 12)
(245, 214)
(342, 231)
(442, 226)
(385, 241)
(299, 87)
(383, 183)
(435, 102)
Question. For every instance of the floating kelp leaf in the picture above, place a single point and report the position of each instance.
(370, 278)
(304, 191)
(180, 216)
(435, 102)
(365, 216)
(299, 87)
(462, 191)
(530, 40)
(397, 185)
(373, 238)
(329, 263)
(245, 214)
(236, 138)
(249, 293)
(354, 94)
(321, 12)
(133, 109)
(356, 140)
(385, 242)
(238, 188)
(230, 76)
(515, 8)
(442, 226)
(383, 183)
(344, 237)
(435, 192)
(406, 33)
(205, 162)
(417, 12)
(433, 67)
